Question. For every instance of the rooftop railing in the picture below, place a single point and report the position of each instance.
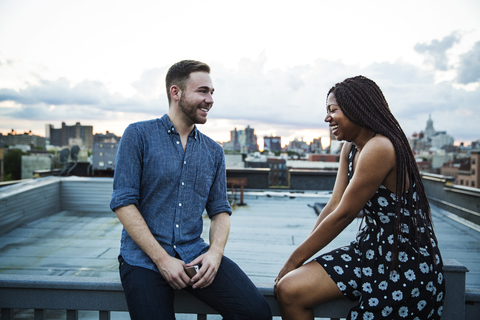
(105, 295)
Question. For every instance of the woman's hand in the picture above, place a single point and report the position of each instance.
(287, 267)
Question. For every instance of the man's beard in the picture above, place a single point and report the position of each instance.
(190, 111)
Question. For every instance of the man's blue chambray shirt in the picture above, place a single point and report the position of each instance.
(170, 187)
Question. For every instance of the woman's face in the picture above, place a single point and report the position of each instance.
(338, 122)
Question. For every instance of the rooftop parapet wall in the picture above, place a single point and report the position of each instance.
(34, 199)
(312, 180)
(27, 202)
(461, 200)
(257, 178)
(300, 179)
(86, 194)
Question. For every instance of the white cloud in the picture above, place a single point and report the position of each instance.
(289, 101)
(469, 70)
(436, 51)
(272, 62)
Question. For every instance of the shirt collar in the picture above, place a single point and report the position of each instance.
(170, 128)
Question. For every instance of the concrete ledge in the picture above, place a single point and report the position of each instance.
(472, 303)
(106, 294)
(472, 295)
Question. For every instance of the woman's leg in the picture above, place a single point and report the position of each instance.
(304, 288)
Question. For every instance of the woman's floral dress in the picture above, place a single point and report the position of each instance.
(362, 270)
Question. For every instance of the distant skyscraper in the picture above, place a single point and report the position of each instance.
(429, 130)
(298, 146)
(272, 143)
(233, 144)
(430, 138)
(316, 145)
(70, 135)
(242, 140)
(251, 139)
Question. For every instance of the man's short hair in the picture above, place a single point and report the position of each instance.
(179, 73)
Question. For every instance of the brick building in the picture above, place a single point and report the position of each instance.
(469, 176)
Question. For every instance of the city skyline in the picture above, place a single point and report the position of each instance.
(325, 141)
(80, 61)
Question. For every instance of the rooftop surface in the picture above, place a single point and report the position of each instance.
(263, 234)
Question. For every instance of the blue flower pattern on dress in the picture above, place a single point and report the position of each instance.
(415, 290)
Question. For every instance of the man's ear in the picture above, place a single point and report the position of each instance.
(175, 92)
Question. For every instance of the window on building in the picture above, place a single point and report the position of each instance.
(473, 172)
(101, 164)
(473, 160)
(461, 182)
(473, 183)
(100, 153)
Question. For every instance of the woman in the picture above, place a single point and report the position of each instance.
(394, 267)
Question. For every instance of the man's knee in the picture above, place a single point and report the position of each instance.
(255, 310)
(263, 312)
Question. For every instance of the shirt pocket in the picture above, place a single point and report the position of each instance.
(204, 180)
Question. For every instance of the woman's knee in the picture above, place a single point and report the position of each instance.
(307, 286)
(288, 290)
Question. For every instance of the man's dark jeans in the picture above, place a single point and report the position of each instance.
(232, 294)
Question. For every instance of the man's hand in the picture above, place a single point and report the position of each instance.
(172, 270)
(209, 263)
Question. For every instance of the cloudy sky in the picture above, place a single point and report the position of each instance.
(103, 63)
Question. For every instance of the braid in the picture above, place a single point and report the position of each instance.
(363, 103)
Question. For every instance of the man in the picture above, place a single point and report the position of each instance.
(167, 173)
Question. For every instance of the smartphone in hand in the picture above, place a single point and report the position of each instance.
(191, 271)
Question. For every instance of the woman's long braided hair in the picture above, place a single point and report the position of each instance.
(363, 103)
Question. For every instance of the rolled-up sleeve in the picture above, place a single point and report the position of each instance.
(217, 199)
(128, 170)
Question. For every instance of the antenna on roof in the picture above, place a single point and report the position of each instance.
(74, 155)
(64, 155)
(63, 159)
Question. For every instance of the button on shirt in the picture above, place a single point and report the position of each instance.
(169, 186)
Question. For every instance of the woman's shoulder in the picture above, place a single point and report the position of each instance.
(379, 150)
(380, 143)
